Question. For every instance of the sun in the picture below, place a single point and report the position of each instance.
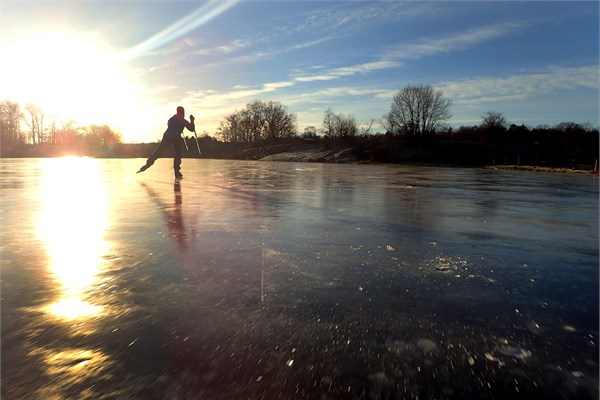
(71, 77)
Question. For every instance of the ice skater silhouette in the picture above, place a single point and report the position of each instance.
(172, 137)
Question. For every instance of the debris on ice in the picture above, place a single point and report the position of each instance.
(515, 352)
(427, 345)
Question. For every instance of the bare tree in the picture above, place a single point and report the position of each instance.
(278, 123)
(259, 120)
(366, 130)
(310, 132)
(493, 119)
(253, 121)
(346, 126)
(104, 135)
(338, 125)
(66, 133)
(35, 122)
(329, 121)
(417, 110)
(389, 123)
(227, 130)
(10, 123)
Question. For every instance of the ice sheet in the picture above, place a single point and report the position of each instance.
(292, 280)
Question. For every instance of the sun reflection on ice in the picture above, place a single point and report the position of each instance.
(72, 308)
(72, 224)
(71, 368)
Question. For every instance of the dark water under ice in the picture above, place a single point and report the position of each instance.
(252, 280)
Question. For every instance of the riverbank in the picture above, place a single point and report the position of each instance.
(408, 155)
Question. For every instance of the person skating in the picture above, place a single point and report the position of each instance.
(172, 137)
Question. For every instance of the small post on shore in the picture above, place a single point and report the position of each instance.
(262, 276)
(595, 167)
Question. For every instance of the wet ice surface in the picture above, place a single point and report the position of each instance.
(290, 281)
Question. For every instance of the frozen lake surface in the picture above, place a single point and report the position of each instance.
(259, 280)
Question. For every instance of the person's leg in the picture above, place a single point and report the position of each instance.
(154, 156)
(177, 157)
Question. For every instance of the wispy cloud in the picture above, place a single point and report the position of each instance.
(338, 16)
(311, 43)
(327, 94)
(212, 98)
(350, 70)
(227, 48)
(312, 78)
(365, 68)
(324, 25)
(391, 58)
(455, 42)
(264, 51)
(398, 55)
(519, 87)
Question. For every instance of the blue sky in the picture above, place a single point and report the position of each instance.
(535, 62)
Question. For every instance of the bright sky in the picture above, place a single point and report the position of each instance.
(130, 63)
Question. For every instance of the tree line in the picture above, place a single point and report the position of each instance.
(30, 125)
(418, 114)
(416, 110)
(416, 130)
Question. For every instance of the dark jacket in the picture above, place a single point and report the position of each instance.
(176, 125)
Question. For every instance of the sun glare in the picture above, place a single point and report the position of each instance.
(72, 224)
(71, 77)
